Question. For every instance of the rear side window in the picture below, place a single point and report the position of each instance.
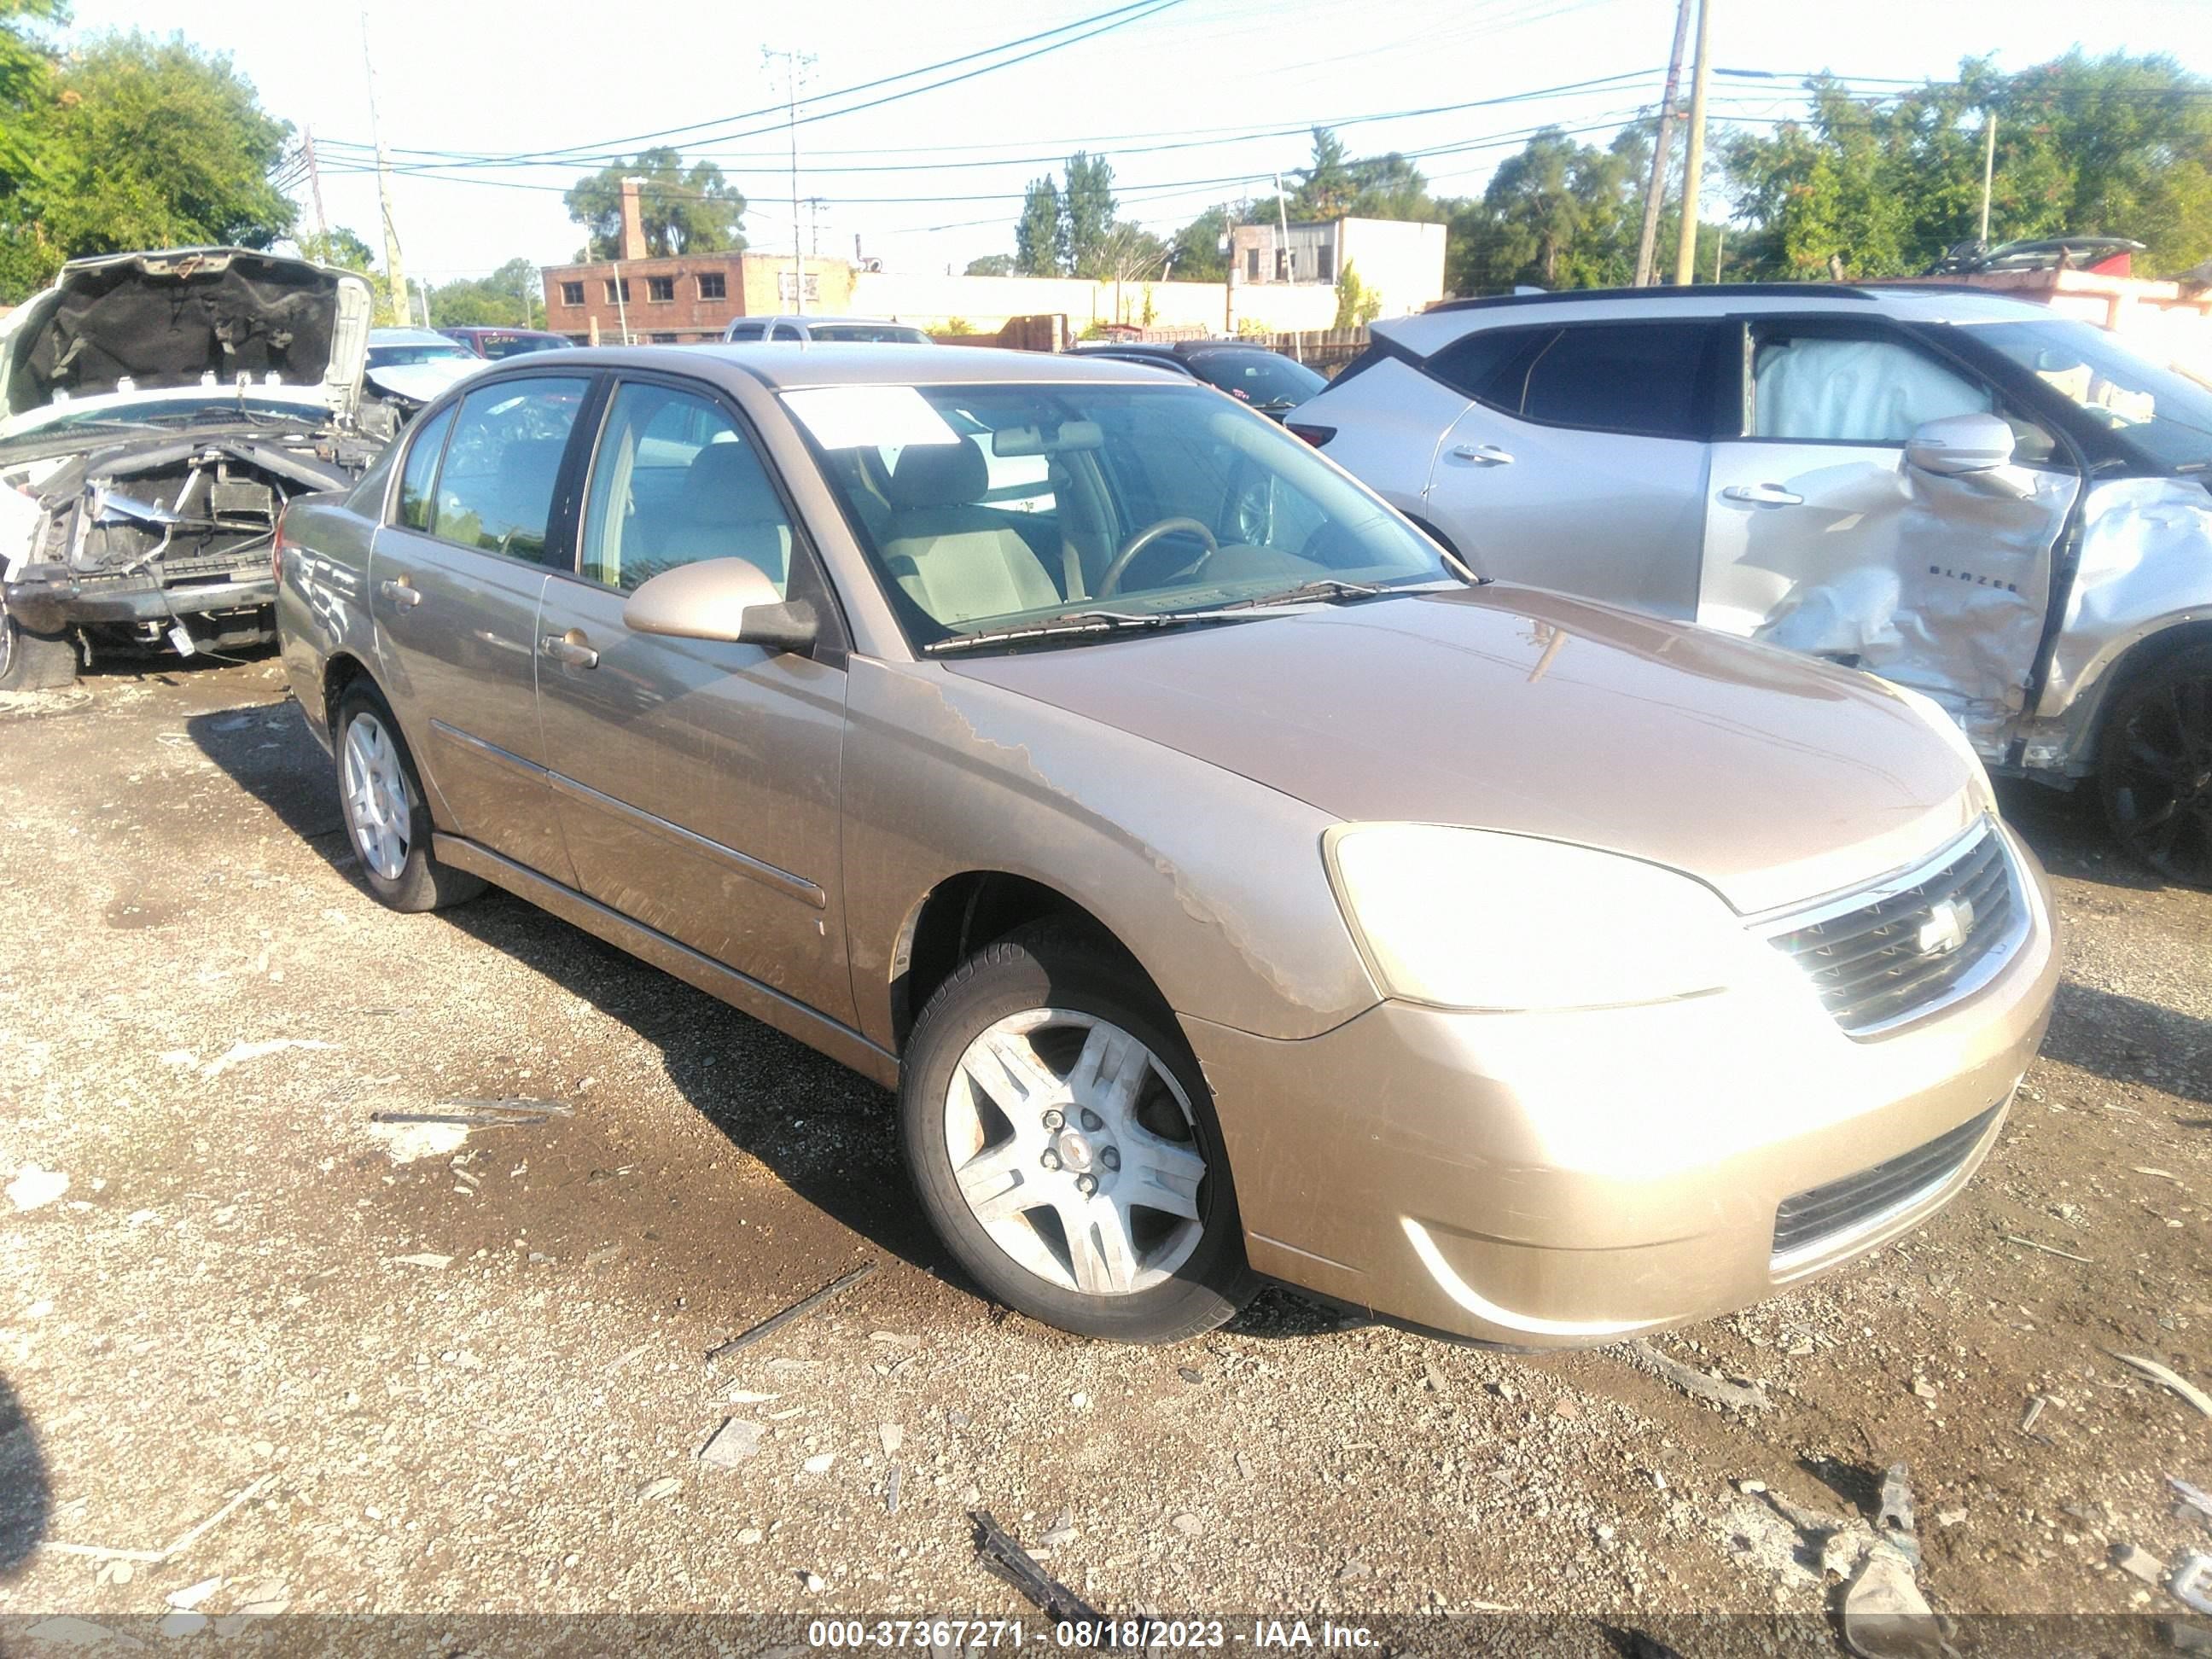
(422, 452)
(1474, 366)
(744, 331)
(1642, 378)
(496, 490)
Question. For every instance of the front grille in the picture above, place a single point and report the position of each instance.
(1820, 1212)
(1909, 949)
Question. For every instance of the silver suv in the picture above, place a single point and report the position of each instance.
(1989, 504)
(823, 330)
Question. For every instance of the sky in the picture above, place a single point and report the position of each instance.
(1173, 96)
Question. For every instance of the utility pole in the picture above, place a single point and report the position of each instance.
(1989, 167)
(791, 62)
(395, 277)
(1289, 260)
(315, 186)
(1693, 153)
(1656, 192)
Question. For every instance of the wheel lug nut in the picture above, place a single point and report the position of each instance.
(1092, 1120)
(1054, 1120)
(1086, 1184)
(1111, 1158)
(1051, 1160)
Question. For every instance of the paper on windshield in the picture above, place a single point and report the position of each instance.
(868, 416)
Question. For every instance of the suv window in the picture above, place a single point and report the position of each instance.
(744, 331)
(1825, 386)
(496, 490)
(422, 452)
(1621, 377)
(675, 482)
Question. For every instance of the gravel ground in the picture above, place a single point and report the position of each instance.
(460, 1370)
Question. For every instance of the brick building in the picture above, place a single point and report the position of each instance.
(687, 298)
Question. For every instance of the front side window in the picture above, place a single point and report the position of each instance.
(2163, 417)
(986, 507)
(415, 500)
(496, 490)
(675, 482)
(1826, 387)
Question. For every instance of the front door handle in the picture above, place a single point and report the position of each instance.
(1490, 454)
(401, 593)
(1764, 495)
(569, 650)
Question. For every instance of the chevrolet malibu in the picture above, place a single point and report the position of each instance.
(1229, 884)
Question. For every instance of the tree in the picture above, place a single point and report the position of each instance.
(1386, 186)
(509, 298)
(682, 209)
(139, 143)
(1557, 214)
(991, 265)
(2117, 145)
(1357, 304)
(341, 247)
(1200, 253)
(26, 75)
(1037, 251)
(1325, 184)
(1087, 216)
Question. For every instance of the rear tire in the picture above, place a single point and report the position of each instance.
(2155, 768)
(35, 662)
(386, 819)
(1098, 1087)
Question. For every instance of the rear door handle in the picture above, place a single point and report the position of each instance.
(569, 650)
(400, 592)
(1489, 453)
(1765, 494)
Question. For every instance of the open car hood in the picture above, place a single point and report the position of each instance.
(183, 317)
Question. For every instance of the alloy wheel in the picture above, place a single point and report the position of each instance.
(2160, 785)
(1074, 1148)
(376, 797)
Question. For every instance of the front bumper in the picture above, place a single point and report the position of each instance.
(1560, 1180)
(48, 605)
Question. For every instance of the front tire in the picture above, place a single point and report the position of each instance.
(35, 662)
(1063, 1143)
(2155, 771)
(380, 798)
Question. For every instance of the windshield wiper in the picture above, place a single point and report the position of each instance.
(1075, 623)
(1329, 588)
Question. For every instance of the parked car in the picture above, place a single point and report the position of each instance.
(156, 411)
(1271, 382)
(498, 342)
(1967, 494)
(1227, 883)
(824, 331)
(409, 367)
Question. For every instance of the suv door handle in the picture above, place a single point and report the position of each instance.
(1765, 494)
(400, 592)
(1489, 453)
(569, 650)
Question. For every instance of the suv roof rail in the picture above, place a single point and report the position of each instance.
(1777, 290)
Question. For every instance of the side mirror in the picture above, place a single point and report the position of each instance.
(1959, 444)
(727, 599)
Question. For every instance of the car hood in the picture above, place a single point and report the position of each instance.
(1772, 778)
(136, 322)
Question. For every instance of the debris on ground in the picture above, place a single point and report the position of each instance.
(2048, 1250)
(890, 1437)
(479, 1114)
(2191, 1581)
(2167, 1378)
(2036, 1402)
(33, 1187)
(239, 1052)
(2139, 1564)
(737, 1440)
(185, 1599)
(997, 1553)
(666, 1485)
(409, 1143)
(2192, 1498)
(1884, 1614)
(177, 1545)
(1736, 1396)
(892, 1490)
(1061, 1531)
(797, 1311)
(425, 1258)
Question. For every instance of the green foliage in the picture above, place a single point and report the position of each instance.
(339, 247)
(1199, 253)
(135, 143)
(27, 258)
(991, 265)
(682, 209)
(1037, 245)
(1386, 186)
(2119, 146)
(1558, 215)
(1325, 186)
(1087, 229)
(1357, 304)
(961, 325)
(511, 297)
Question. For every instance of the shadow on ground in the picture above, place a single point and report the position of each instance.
(26, 1496)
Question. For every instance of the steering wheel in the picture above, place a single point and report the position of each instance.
(1111, 582)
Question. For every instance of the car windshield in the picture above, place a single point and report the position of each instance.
(986, 508)
(2164, 416)
(397, 356)
(867, 334)
(496, 346)
(1266, 379)
(211, 409)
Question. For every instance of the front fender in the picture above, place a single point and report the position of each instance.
(2146, 567)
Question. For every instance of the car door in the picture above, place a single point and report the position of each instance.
(455, 578)
(1581, 464)
(1822, 537)
(697, 780)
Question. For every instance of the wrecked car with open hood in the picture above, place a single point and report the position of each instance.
(160, 410)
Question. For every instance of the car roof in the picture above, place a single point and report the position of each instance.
(495, 328)
(1906, 301)
(812, 318)
(407, 337)
(872, 363)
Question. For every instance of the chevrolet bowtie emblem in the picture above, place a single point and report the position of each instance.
(1946, 929)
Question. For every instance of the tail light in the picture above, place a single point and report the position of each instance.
(276, 546)
(1315, 435)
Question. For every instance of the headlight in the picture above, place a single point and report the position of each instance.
(1939, 721)
(1472, 919)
